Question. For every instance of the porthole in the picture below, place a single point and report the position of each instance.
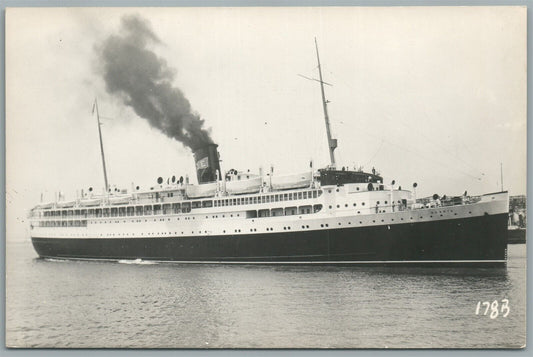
(355, 204)
(338, 206)
(321, 225)
(330, 207)
(363, 203)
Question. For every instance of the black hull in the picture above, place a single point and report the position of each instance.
(478, 240)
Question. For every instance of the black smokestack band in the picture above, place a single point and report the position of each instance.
(143, 81)
(207, 163)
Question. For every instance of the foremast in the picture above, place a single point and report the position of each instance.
(95, 108)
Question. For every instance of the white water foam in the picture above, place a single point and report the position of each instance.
(136, 261)
(57, 260)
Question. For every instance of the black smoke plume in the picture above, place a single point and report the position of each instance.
(143, 81)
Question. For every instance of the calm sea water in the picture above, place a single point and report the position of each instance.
(105, 304)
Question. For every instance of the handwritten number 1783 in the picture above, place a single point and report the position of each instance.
(494, 309)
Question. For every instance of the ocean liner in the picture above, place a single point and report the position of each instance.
(326, 216)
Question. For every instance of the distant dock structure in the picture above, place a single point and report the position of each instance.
(516, 233)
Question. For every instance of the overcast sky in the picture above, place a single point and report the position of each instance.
(430, 95)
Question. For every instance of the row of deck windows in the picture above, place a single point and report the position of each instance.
(174, 208)
(81, 223)
(288, 211)
(265, 199)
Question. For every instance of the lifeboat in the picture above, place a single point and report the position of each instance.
(65, 204)
(202, 190)
(46, 205)
(119, 200)
(236, 187)
(90, 202)
(291, 181)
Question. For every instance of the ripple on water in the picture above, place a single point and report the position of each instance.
(62, 303)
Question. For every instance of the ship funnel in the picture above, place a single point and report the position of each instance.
(207, 163)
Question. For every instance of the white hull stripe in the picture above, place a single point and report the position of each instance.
(286, 262)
